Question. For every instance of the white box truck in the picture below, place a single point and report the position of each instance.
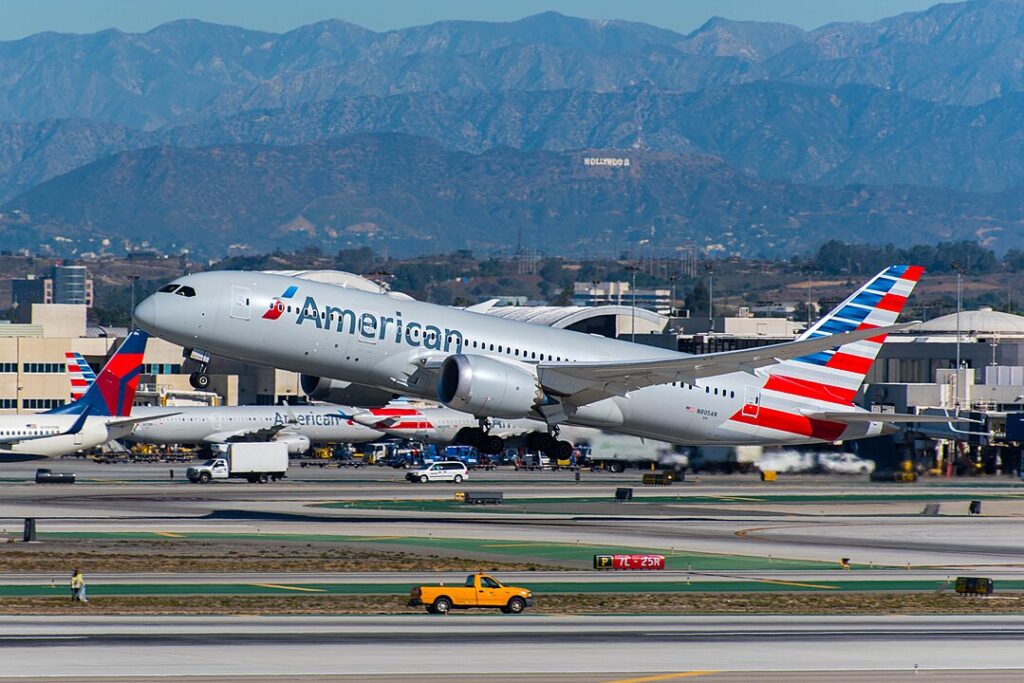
(254, 462)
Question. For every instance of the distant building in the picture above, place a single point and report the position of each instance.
(71, 285)
(64, 285)
(619, 294)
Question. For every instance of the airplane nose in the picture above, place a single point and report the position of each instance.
(144, 315)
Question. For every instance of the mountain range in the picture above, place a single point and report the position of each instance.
(923, 108)
(412, 195)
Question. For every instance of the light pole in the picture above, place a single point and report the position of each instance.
(959, 306)
(632, 316)
(711, 296)
(131, 311)
(672, 301)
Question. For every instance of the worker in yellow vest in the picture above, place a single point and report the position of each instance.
(78, 587)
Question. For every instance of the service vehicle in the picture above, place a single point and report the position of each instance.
(479, 590)
(448, 470)
(254, 462)
(845, 463)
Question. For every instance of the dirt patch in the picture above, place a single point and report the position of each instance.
(727, 603)
(198, 556)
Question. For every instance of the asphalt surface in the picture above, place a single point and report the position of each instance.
(547, 648)
(736, 515)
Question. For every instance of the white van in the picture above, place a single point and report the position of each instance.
(449, 470)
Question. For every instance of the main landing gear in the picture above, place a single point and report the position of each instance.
(550, 445)
(479, 439)
(198, 379)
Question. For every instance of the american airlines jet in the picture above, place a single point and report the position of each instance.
(791, 393)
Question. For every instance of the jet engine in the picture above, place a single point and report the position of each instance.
(343, 393)
(297, 443)
(487, 387)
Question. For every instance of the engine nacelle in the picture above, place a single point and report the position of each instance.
(343, 393)
(297, 443)
(487, 387)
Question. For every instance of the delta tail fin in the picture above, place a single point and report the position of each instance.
(113, 392)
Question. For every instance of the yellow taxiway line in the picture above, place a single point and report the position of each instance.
(664, 677)
(289, 588)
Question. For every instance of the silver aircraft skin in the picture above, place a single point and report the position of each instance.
(791, 393)
(297, 426)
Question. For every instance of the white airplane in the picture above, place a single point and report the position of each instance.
(102, 414)
(442, 425)
(791, 393)
(299, 427)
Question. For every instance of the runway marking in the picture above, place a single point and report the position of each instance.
(795, 583)
(753, 500)
(169, 534)
(289, 588)
(665, 677)
(378, 538)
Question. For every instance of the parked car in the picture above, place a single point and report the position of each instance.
(449, 470)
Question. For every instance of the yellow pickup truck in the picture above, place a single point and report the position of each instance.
(479, 590)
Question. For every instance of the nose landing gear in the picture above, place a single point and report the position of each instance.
(198, 379)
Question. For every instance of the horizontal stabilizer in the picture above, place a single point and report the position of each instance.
(858, 418)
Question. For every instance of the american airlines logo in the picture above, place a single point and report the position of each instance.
(277, 305)
(370, 328)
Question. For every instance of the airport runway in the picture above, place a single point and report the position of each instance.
(724, 515)
(547, 648)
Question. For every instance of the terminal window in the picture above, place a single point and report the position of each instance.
(8, 403)
(41, 403)
(8, 367)
(43, 367)
(161, 368)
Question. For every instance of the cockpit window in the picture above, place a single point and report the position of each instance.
(185, 290)
(168, 288)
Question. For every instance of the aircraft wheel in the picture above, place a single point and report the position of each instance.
(199, 380)
(494, 445)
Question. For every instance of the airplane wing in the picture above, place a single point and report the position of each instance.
(75, 428)
(583, 383)
(368, 419)
(132, 421)
(850, 417)
(259, 434)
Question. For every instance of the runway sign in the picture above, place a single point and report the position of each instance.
(629, 562)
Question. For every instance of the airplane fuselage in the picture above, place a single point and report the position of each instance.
(36, 426)
(393, 343)
(219, 424)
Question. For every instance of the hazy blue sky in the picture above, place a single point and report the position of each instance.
(19, 18)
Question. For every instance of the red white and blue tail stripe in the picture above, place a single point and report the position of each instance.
(829, 380)
(835, 375)
(80, 374)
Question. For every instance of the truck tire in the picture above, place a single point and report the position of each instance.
(204, 477)
(263, 478)
(424, 479)
(457, 479)
(516, 606)
(442, 605)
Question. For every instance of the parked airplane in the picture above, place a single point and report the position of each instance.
(102, 413)
(446, 426)
(297, 426)
(790, 393)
